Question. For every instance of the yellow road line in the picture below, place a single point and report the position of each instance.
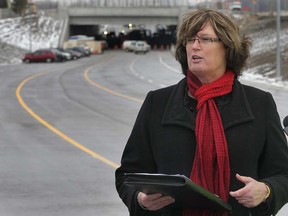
(92, 82)
(55, 130)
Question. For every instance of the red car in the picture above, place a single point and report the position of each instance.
(40, 56)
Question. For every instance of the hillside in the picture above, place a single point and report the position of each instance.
(21, 34)
(263, 52)
(9, 54)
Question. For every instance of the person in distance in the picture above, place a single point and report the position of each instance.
(224, 135)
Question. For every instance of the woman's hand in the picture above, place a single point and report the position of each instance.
(154, 202)
(252, 194)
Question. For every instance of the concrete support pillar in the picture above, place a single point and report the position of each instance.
(8, 3)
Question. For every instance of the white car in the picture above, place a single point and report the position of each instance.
(141, 46)
(128, 45)
(235, 6)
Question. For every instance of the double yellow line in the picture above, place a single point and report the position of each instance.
(58, 132)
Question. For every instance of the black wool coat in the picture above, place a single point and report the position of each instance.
(163, 141)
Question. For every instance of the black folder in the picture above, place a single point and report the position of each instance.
(186, 193)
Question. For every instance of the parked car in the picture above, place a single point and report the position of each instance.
(128, 45)
(235, 6)
(61, 55)
(86, 52)
(141, 46)
(43, 55)
(75, 54)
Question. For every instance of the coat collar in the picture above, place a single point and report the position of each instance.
(236, 111)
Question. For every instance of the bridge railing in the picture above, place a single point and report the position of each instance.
(124, 3)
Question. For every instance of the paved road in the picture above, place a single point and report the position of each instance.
(64, 127)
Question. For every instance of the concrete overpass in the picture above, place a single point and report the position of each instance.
(121, 16)
(83, 19)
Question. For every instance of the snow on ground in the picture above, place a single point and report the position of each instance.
(253, 76)
(23, 34)
(19, 35)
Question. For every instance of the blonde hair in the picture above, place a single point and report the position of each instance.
(237, 46)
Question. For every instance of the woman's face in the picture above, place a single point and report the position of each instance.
(206, 59)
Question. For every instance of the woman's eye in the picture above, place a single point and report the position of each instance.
(206, 39)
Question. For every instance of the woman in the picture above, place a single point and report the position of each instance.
(225, 136)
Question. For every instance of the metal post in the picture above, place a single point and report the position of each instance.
(278, 51)
(30, 38)
(227, 7)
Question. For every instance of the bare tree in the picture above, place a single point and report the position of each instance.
(19, 6)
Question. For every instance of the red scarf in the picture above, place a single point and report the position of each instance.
(211, 167)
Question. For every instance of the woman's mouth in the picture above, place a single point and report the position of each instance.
(195, 57)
